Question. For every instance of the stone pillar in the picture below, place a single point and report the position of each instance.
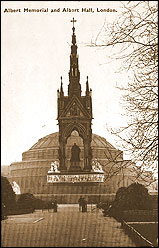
(62, 154)
(87, 158)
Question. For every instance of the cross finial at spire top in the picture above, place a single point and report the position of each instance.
(73, 20)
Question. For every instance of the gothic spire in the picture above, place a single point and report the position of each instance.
(87, 87)
(73, 36)
(61, 88)
(74, 86)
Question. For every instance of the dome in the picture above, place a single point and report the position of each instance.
(47, 147)
(51, 140)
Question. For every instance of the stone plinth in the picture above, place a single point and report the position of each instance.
(75, 167)
(75, 177)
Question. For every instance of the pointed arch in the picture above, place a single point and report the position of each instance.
(77, 127)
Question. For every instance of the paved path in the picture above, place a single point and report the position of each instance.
(66, 228)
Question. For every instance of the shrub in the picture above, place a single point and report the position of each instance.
(26, 201)
(29, 201)
(8, 197)
(133, 197)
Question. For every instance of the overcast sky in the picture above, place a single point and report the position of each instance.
(35, 54)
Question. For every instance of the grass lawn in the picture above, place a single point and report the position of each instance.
(148, 230)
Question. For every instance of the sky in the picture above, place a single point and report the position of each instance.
(35, 54)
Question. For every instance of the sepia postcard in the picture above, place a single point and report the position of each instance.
(65, 172)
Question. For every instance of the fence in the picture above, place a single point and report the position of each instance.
(136, 236)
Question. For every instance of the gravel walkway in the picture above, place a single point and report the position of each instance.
(66, 228)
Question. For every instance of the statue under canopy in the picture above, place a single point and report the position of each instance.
(75, 153)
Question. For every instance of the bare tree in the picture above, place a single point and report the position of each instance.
(135, 37)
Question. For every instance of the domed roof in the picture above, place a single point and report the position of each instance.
(52, 140)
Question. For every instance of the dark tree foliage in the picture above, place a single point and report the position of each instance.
(27, 201)
(133, 197)
(7, 194)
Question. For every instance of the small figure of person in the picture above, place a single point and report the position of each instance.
(91, 205)
(55, 205)
(42, 207)
(84, 205)
(48, 206)
(80, 203)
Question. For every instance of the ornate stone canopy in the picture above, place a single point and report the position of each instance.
(47, 148)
